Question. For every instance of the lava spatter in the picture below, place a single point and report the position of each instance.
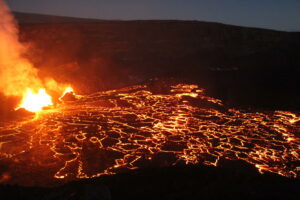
(135, 127)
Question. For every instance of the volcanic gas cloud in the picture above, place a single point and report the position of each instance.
(17, 75)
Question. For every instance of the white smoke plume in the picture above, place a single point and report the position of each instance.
(17, 74)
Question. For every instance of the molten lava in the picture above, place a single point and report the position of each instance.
(68, 90)
(35, 102)
(141, 126)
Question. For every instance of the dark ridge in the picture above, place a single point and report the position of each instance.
(31, 18)
(36, 18)
(242, 66)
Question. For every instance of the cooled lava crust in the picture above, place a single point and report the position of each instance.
(144, 126)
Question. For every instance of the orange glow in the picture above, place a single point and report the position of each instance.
(67, 90)
(35, 102)
(18, 76)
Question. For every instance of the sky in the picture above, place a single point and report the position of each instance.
(271, 14)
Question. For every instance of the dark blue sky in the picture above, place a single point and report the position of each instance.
(274, 14)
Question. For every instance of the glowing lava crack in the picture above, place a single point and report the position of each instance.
(113, 131)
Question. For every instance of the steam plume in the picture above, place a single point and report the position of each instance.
(16, 73)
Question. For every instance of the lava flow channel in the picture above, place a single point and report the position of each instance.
(109, 132)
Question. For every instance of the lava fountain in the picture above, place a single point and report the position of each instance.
(35, 102)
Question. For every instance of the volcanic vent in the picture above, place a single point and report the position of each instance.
(141, 126)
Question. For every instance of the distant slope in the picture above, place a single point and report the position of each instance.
(29, 18)
(238, 64)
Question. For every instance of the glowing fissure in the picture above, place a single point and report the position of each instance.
(109, 132)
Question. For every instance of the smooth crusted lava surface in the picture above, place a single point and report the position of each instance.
(141, 126)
